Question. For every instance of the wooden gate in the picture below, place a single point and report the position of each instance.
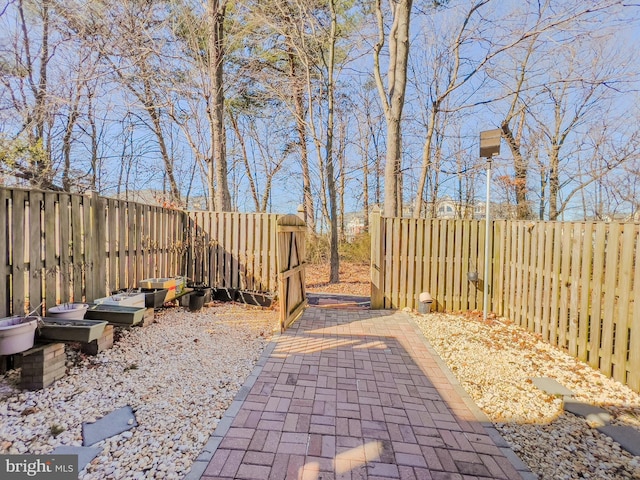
(291, 264)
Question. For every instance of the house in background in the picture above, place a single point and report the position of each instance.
(354, 225)
(445, 208)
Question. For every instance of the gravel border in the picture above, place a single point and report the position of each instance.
(200, 464)
(495, 361)
(180, 375)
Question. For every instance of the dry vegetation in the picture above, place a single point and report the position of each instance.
(354, 279)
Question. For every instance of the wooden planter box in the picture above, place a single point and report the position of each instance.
(71, 330)
(157, 283)
(123, 316)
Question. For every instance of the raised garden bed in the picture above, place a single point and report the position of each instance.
(224, 294)
(71, 330)
(123, 299)
(123, 316)
(157, 283)
(167, 284)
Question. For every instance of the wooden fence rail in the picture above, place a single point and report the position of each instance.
(577, 284)
(60, 247)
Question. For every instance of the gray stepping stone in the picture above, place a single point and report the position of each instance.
(85, 454)
(627, 437)
(594, 415)
(111, 424)
(551, 387)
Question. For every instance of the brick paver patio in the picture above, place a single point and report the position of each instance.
(350, 394)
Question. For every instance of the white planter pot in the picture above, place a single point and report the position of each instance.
(17, 334)
(70, 311)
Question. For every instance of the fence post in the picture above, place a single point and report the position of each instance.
(377, 259)
(300, 212)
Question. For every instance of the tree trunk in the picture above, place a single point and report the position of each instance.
(343, 179)
(40, 172)
(94, 140)
(523, 208)
(66, 143)
(301, 129)
(245, 159)
(334, 274)
(393, 97)
(154, 114)
(216, 12)
(554, 182)
(426, 162)
(365, 184)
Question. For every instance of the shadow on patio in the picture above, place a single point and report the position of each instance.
(354, 394)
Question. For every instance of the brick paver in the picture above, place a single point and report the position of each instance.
(354, 394)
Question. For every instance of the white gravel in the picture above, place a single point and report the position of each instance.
(179, 375)
(495, 360)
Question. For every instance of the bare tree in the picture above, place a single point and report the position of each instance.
(216, 11)
(26, 59)
(572, 106)
(281, 72)
(392, 96)
(369, 143)
(270, 163)
(131, 38)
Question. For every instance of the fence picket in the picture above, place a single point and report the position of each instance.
(595, 328)
(574, 290)
(633, 377)
(548, 281)
(622, 319)
(532, 264)
(586, 284)
(499, 257)
(539, 231)
(610, 298)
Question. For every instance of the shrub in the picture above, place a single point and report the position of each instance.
(358, 250)
(318, 250)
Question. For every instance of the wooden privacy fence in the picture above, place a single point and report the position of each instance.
(233, 250)
(577, 285)
(60, 247)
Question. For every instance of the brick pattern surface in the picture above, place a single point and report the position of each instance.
(356, 395)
